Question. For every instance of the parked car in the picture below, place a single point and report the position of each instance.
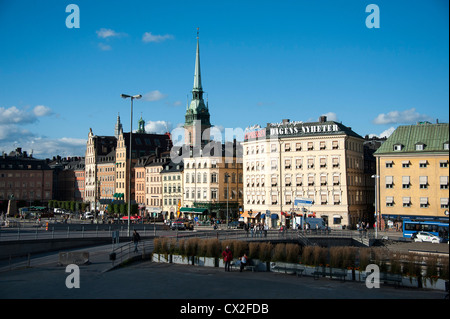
(236, 224)
(177, 224)
(428, 237)
(188, 224)
(88, 215)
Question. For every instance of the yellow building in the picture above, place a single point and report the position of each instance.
(413, 175)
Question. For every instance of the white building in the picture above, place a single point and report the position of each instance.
(322, 161)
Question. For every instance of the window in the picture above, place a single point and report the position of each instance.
(298, 146)
(274, 199)
(443, 181)
(446, 146)
(420, 147)
(336, 199)
(406, 201)
(323, 180)
(323, 198)
(322, 145)
(298, 163)
(398, 147)
(287, 180)
(405, 164)
(423, 202)
(335, 145)
(274, 180)
(423, 164)
(423, 181)
(310, 146)
(389, 201)
(273, 164)
(287, 164)
(299, 180)
(389, 164)
(336, 179)
(444, 202)
(405, 182)
(335, 162)
(389, 181)
(443, 164)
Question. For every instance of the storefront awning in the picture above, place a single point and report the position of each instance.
(251, 214)
(193, 210)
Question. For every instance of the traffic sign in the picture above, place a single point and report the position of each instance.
(303, 202)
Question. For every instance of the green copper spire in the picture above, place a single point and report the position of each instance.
(141, 126)
(197, 76)
(197, 109)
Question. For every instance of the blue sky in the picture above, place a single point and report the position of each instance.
(261, 61)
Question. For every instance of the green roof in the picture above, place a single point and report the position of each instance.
(433, 136)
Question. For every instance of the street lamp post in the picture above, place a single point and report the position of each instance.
(131, 97)
(228, 191)
(376, 205)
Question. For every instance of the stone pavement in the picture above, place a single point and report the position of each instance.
(148, 280)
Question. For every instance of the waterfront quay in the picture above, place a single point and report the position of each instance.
(132, 276)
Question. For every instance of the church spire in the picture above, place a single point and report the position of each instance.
(118, 127)
(197, 75)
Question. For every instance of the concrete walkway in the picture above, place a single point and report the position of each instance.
(145, 279)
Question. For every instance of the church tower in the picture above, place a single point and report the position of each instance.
(197, 113)
(118, 127)
(141, 126)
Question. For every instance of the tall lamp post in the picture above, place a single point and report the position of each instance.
(227, 176)
(131, 97)
(376, 204)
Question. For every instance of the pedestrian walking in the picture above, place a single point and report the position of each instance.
(136, 239)
(227, 258)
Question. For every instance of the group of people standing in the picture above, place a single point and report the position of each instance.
(256, 230)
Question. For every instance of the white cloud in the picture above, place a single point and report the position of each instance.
(406, 117)
(154, 96)
(158, 127)
(14, 115)
(385, 133)
(46, 148)
(42, 110)
(388, 132)
(108, 33)
(149, 37)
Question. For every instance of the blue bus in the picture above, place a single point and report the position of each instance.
(438, 228)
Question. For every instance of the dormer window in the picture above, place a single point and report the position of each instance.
(398, 147)
(446, 146)
(420, 146)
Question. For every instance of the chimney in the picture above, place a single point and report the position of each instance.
(285, 121)
(322, 119)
